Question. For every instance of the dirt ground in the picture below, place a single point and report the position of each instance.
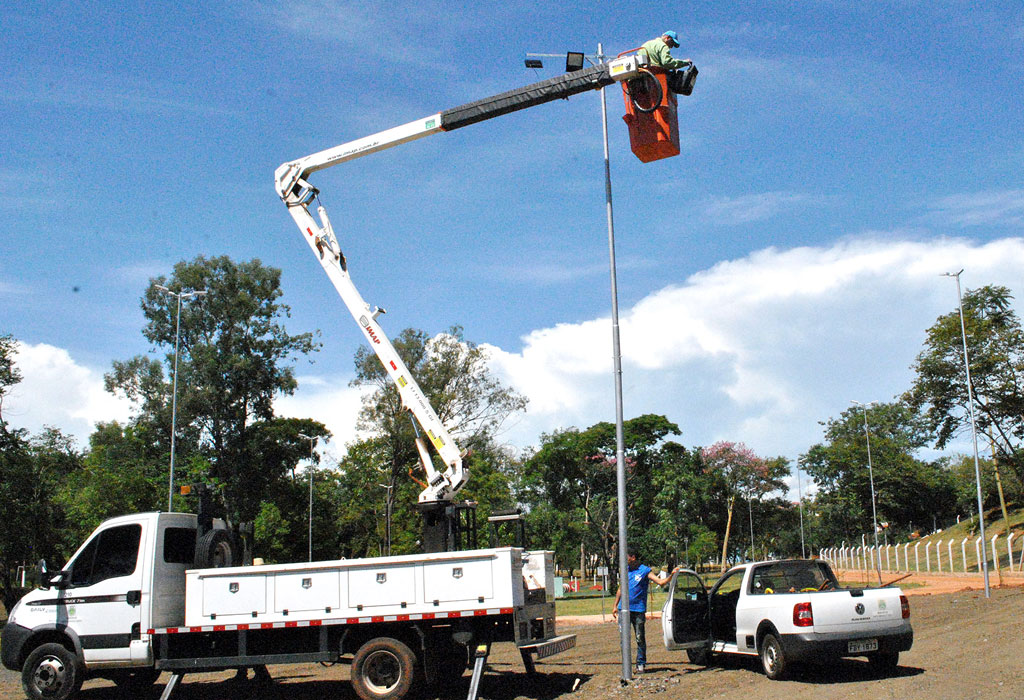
(965, 647)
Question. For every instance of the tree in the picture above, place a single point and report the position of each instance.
(995, 343)
(234, 360)
(575, 471)
(908, 490)
(9, 374)
(743, 473)
(469, 400)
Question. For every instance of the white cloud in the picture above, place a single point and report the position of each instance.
(757, 349)
(59, 392)
(980, 208)
(744, 209)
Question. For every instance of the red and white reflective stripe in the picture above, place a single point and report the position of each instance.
(334, 621)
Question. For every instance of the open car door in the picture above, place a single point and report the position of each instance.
(685, 619)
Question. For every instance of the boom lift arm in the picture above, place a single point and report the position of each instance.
(292, 184)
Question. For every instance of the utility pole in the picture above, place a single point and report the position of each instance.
(174, 391)
(312, 441)
(871, 475)
(974, 429)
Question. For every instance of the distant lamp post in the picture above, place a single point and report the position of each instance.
(800, 506)
(871, 475)
(174, 391)
(312, 441)
(974, 429)
(387, 517)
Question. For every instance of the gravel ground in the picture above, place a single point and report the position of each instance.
(965, 647)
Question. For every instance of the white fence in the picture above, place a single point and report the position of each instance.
(940, 556)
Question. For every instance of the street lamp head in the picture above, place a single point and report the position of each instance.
(952, 274)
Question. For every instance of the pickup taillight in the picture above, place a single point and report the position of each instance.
(905, 606)
(802, 615)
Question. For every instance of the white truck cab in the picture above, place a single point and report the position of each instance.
(784, 611)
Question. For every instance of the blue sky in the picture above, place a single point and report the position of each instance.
(836, 158)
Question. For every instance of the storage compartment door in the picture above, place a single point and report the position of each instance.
(380, 586)
(307, 591)
(470, 581)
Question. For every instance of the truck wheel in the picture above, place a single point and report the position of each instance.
(383, 669)
(701, 656)
(51, 672)
(215, 551)
(773, 659)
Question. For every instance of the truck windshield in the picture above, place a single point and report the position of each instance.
(792, 577)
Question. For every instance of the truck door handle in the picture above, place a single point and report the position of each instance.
(133, 598)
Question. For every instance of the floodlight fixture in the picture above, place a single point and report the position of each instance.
(534, 63)
(573, 61)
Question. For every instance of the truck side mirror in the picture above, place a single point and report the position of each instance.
(42, 575)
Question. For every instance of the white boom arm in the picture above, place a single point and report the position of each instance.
(298, 194)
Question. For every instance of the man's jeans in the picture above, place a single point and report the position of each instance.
(637, 620)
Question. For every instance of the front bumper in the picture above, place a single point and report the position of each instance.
(12, 639)
(809, 646)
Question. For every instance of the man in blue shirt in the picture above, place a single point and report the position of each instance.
(640, 576)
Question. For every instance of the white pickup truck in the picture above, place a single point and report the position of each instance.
(785, 611)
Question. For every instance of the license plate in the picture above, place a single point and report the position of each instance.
(862, 645)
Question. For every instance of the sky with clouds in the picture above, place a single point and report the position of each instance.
(836, 159)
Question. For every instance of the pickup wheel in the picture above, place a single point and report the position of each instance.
(773, 658)
(383, 669)
(51, 672)
(700, 656)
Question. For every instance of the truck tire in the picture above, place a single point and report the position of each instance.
(773, 658)
(215, 550)
(383, 669)
(51, 672)
(700, 656)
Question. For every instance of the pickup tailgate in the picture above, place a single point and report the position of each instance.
(857, 610)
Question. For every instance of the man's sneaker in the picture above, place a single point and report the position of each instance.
(639, 668)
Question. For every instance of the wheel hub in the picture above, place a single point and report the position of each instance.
(383, 671)
(50, 676)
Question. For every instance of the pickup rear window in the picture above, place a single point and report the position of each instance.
(791, 577)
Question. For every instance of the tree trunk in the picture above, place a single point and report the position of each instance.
(725, 540)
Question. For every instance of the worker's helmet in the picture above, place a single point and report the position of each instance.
(672, 36)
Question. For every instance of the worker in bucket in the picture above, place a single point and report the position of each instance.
(681, 71)
(659, 52)
(640, 576)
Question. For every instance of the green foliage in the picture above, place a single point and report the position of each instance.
(9, 374)
(995, 344)
(908, 490)
(232, 362)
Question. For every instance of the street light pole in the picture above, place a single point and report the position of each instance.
(174, 391)
(871, 476)
(800, 505)
(620, 459)
(974, 429)
(312, 441)
(387, 516)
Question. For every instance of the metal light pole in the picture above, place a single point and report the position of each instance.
(312, 441)
(800, 506)
(174, 391)
(750, 517)
(974, 429)
(387, 516)
(871, 476)
(620, 459)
